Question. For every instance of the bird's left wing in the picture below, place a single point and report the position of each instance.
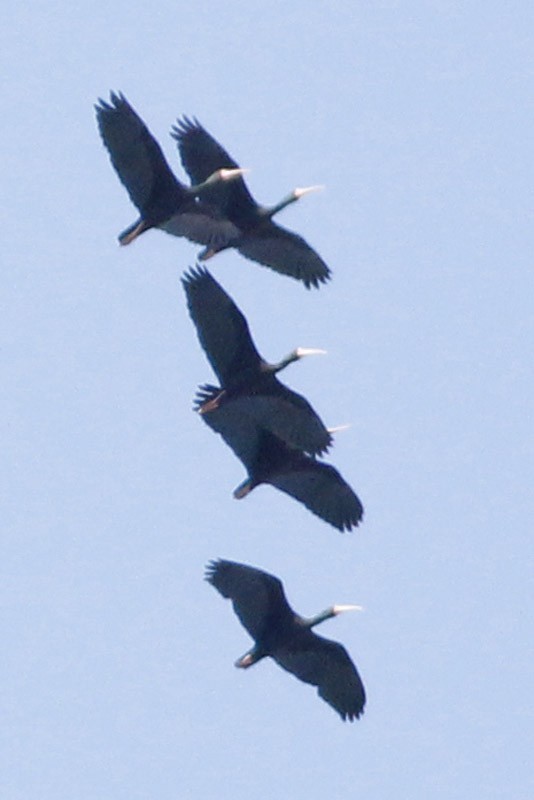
(136, 155)
(284, 251)
(256, 595)
(221, 327)
(327, 665)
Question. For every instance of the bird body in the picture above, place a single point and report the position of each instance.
(259, 238)
(260, 603)
(267, 459)
(243, 374)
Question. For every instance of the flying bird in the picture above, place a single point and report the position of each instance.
(161, 199)
(225, 337)
(267, 459)
(260, 239)
(261, 606)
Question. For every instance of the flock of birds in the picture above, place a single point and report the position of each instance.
(273, 431)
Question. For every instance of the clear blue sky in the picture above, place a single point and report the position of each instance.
(117, 669)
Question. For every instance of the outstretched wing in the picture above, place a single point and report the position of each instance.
(221, 327)
(136, 156)
(284, 251)
(288, 416)
(257, 597)
(327, 665)
(296, 425)
(201, 156)
(321, 489)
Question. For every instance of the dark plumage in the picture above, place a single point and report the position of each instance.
(268, 459)
(225, 337)
(261, 606)
(260, 239)
(163, 202)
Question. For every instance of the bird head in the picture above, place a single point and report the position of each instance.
(300, 191)
(341, 608)
(300, 352)
(328, 613)
(225, 174)
(294, 355)
(338, 428)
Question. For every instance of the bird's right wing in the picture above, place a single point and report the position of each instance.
(327, 665)
(221, 327)
(322, 490)
(284, 251)
(256, 595)
(135, 154)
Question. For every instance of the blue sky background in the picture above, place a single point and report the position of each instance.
(117, 674)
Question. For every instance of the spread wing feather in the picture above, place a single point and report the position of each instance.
(256, 596)
(322, 490)
(284, 251)
(221, 327)
(327, 665)
(136, 156)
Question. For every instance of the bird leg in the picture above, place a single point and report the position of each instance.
(208, 252)
(212, 403)
(249, 659)
(131, 233)
(243, 489)
(245, 661)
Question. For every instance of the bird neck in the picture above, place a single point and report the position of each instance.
(270, 211)
(220, 176)
(198, 188)
(328, 613)
(289, 359)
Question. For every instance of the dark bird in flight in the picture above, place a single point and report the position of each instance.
(261, 606)
(225, 337)
(163, 202)
(259, 239)
(268, 459)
